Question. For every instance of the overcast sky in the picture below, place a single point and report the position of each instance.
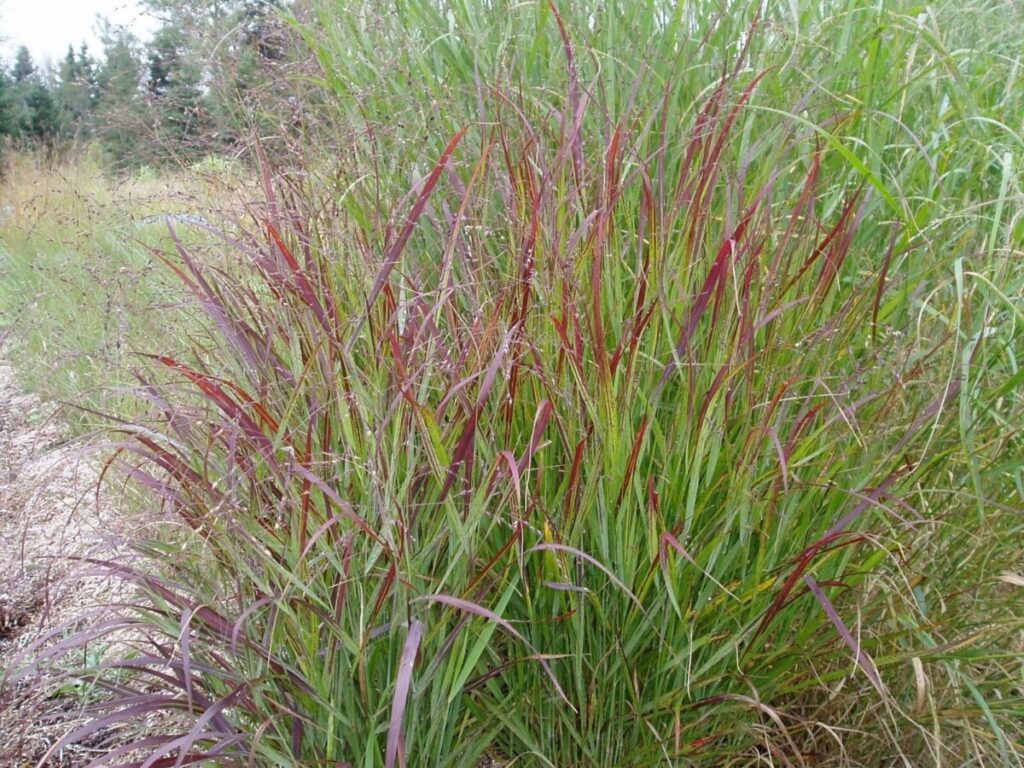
(48, 26)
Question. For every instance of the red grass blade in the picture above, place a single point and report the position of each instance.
(716, 275)
(574, 110)
(301, 284)
(395, 251)
(540, 423)
(634, 455)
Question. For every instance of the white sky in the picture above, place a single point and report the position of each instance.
(48, 26)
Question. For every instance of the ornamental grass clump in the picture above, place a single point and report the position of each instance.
(666, 415)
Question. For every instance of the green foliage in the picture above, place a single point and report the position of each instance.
(28, 110)
(190, 90)
(233, 48)
(625, 384)
(76, 92)
(7, 106)
(24, 68)
(42, 119)
(120, 110)
(80, 292)
(174, 89)
(249, 93)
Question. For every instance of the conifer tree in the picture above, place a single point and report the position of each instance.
(120, 114)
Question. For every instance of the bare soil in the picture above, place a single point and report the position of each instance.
(50, 518)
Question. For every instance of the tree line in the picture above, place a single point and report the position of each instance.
(193, 89)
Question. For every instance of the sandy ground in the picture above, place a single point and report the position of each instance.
(49, 516)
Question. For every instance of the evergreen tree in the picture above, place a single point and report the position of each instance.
(261, 29)
(24, 68)
(213, 60)
(75, 92)
(32, 112)
(207, 80)
(22, 74)
(121, 119)
(88, 68)
(8, 124)
(174, 89)
(42, 113)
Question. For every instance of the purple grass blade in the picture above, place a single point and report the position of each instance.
(716, 276)
(136, 745)
(513, 468)
(869, 499)
(574, 106)
(209, 300)
(463, 454)
(150, 704)
(186, 657)
(224, 741)
(300, 283)
(863, 660)
(402, 685)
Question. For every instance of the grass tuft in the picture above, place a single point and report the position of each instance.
(646, 392)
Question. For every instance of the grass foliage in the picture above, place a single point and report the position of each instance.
(80, 290)
(631, 384)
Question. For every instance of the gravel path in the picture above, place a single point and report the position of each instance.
(49, 515)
